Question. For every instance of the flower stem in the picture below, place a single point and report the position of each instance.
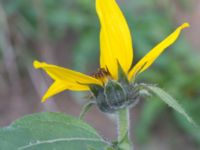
(123, 130)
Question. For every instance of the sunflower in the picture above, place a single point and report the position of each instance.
(113, 84)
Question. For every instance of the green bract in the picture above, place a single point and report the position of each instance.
(116, 95)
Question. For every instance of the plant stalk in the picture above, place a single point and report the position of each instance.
(123, 130)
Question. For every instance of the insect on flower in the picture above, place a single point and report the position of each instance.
(112, 85)
(102, 74)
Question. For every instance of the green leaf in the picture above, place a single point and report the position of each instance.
(169, 100)
(50, 131)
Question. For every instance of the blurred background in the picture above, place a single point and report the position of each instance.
(66, 33)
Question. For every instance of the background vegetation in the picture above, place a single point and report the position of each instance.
(66, 33)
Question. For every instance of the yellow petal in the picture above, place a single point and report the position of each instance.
(149, 58)
(115, 38)
(59, 86)
(64, 74)
(65, 79)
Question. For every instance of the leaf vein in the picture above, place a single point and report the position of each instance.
(60, 140)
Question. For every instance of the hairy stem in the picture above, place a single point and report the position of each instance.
(123, 130)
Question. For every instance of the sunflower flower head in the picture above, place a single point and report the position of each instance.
(113, 85)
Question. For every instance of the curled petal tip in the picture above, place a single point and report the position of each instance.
(149, 58)
(185, 25)
(36, 64)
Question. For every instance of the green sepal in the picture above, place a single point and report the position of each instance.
(96, 89)
(98, 92)
(122, 77)
(86, 108)
(115, 94)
